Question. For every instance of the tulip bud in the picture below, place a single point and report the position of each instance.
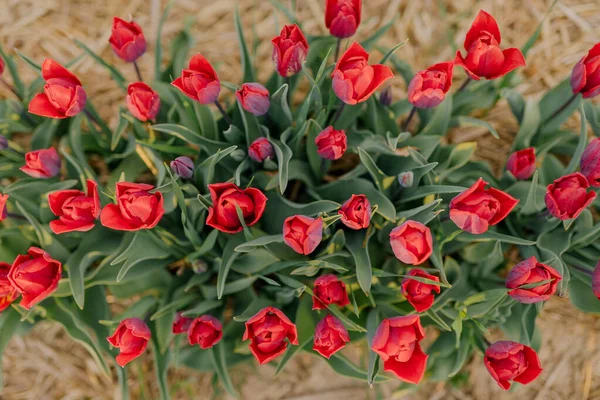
(199, 81)
(131, 337)
(3, 211)
(411, 242)
(76, 210)
(142, 102)
(260, 150)
(3, 143)
(522, 163)
(331, 143)
(429, 87)
(356, 212)
(254, 98)
(127, 40)
(183, 166)
(585, 78)
(289, 51)
(568, 196)
(420, 294)
(226, 199)
(330, 336)
(342, 17)
(531, 271)
(136, 208)
(406, 179)
(181, 324)
(386, 96)
(303, 234)
(329, 290)
(267, 331)
(590, 162)
(205, 331)
(43, 163)
(511, 361)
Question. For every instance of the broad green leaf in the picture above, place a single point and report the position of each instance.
(284, 155)
(280, 111)
(462, 120)
(202, 308)
(143, 247)
(382, 181)
(247, 68)
(532, 204)
(532, 119)
(161, 366)
(229, 256)
(372, 324)
(424, 191)
(259, 242)
(357, 243)
(489, 235)
(574, 163)
(158, 45)
(9, 322)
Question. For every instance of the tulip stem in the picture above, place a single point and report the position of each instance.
(222, 110)
(562, 108)
(464, 85)
(338, 113)
(137, 71)
(337, 50)
(15, 216)
(11, 88)
(410, 117)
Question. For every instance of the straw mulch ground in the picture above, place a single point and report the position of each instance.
(45, 364)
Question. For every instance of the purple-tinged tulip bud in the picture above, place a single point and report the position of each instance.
(260, 150)
(254, 98)
(183, 166)
(3, 143)
(406, 179)
(386, 97)
(590, 162)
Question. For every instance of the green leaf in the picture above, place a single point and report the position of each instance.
(487, 236)
(345, 367)
(574, 163)
(464, 350)
(247, 68)
(118, 132)
(173, 306)
(284, 155)
(315, 161)
(532, 119)
(462, 120)
(9, 322)
(357, 243)
(372, 324)
(161, 365)
(202, 308)
(382, 181)
(439, 123)
(554, 108)
(217, 356)
(312, 268)
(158, 46)
(391, 52)
(424, 191)
(280, 111)
(18, 83)
(258, 242)
(229, 256)
(185, 134)
(143, 247)
(532, 204)
(114, 73)
(374, 38)
(306, 327)
(582, 296)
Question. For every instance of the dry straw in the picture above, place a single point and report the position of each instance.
(45, 364)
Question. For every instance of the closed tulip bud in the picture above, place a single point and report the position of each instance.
(528, 272)
(3, 143)
(8, 293)
(429, 87)
(183, 167)
(522, 163)
(590, 162)
(411, 242)
(200, 81)
(205, 331)
(342, 17)
(136, 208)
(406, 179)
(260, 150)
(181, 324)
(76, 210)
(330, 336)
(511, 361)
(267, 331)
(127, 40)
(585, 78)
(35, 276)
(478, 207)
(354, 80)
(289, 51)
(356, 212)
(420, 294)
(484, 57)
(303, 234)
(331, 143)
(63, 94)
(142, 102)
(254, 98)
(329, 290)
(131, 338)
(42, 163)
(397, 343)
(568, 196)
(226, 198)
(3, 210)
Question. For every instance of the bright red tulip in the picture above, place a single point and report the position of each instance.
(329, 290)
(76, 210)
(522, 163)
(289, 51)
(419, 294)
(331, 143)
(429, 87)
(342, 17)
(303, 234)
(585, 78)
(205, 331)
(330, 336)
(225, 197)
(267, 331)
(43, 163)
(200, 81)
(181, 324)
(411, 242)
(136, 208)
(8, 293)
(356, 212)
(131, 338)
(511, 361)
(568, 196)
(590, 162)
(532, 271)
(127, 40)
(142, 102)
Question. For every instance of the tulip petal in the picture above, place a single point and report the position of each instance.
(411, 371)
(40, 105)
(484, 22)
(52, 69)
(513, 59)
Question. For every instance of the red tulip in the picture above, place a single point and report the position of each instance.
(3, 211)
(356, 212)
(267, 331)
(522, 163)
(330, 336)
(303, 234)
(136, 208)
(568, 196)
(511, 361)
(397, 343)
(254, 98)
(419, 294)
(2, 65)
(411, 242)
(590, 162)
(331, 143)
(478, 208)
(142, 102)
(342, 17)
(181, 324)
(127, 40)
(260, 150)
(225, 197)
(200, 81)
(585, 78)
(63, 95)
(205, 331)
(75, 210)
(532, 271)
(429, 87)
(484, 58)
(131, 337)
(35, 276)
(8, 293)
(43, 163)
(289, 51)
(354, 80)
(596, 280)
(329, 290)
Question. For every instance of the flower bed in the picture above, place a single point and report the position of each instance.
(277, 223)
